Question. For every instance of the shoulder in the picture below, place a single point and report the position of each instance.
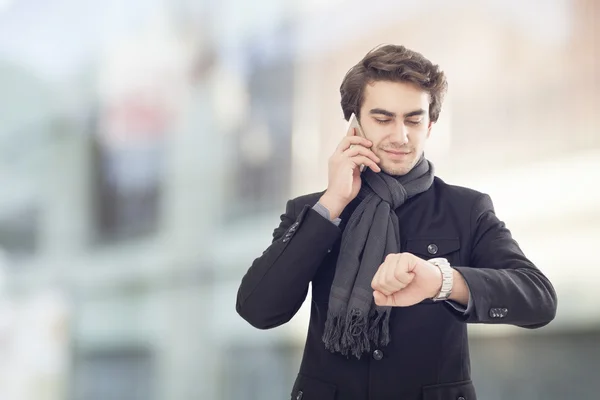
(463, 197)
(455, 194)
(455, 191)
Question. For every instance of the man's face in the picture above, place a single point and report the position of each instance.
(395, 117)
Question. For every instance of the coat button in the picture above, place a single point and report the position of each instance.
(498, 312)
(299, 395)
(378, 355)
(461, 398)
(432, 248)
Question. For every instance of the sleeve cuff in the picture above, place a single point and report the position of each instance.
(460, 308)
(324, 212)
(465, 311)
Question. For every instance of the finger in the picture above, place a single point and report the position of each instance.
(379, 284)
(395, 275)
(392, 258)
(403, 277)
(361, 150)
(389, 261)
(385, 288)
(382, 299)
(404, 270)
(397, 279)
(348, 141)
(412, 261)
(380, 281)
(406, 297)
(376, 282)
(362, 160)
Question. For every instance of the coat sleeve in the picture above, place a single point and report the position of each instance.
(276, 284)
(505, 286)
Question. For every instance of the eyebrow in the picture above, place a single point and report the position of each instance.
(393, 115)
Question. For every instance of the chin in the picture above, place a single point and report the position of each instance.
(396, 170)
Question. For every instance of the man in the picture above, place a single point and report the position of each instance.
(399, 260)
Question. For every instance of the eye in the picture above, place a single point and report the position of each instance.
(382, 121)
(413, 122)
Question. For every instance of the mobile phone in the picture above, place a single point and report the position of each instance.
(354, 124)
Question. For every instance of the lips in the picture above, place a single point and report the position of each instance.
(396, 152)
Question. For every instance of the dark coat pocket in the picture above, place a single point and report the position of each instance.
(306, 388)
(463, 390)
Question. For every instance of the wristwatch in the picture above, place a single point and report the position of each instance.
(447, 278)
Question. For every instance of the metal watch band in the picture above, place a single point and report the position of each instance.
(447, 278)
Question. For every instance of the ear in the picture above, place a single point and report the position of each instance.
(429, 129)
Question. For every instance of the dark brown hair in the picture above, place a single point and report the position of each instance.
(396, 64)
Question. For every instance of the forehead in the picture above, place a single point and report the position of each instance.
(398, 97)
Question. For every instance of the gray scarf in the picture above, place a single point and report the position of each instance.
(372, 232)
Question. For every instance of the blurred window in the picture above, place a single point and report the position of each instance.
(115, 374)
(20, 155)
(128, 165)
(262, 144)
(259, 372)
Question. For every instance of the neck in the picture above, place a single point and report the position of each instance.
(416, 166)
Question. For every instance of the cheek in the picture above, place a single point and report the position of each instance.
(375, 132)
(374, 137)
(418, 137)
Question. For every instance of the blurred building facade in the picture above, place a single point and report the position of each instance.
(139, 188)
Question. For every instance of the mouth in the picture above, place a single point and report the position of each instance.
(397, 151)
(397, 154)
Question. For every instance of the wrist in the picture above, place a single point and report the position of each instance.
(333, 205)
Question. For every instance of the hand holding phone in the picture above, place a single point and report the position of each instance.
(344, 178)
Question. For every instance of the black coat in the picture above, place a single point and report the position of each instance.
(428, 357)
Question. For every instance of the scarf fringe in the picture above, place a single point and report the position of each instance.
(352, 333)
(355, 337)
(332, 334)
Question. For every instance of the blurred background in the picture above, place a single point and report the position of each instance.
(147, 148)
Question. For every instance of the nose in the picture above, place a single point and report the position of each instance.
(400, 134)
